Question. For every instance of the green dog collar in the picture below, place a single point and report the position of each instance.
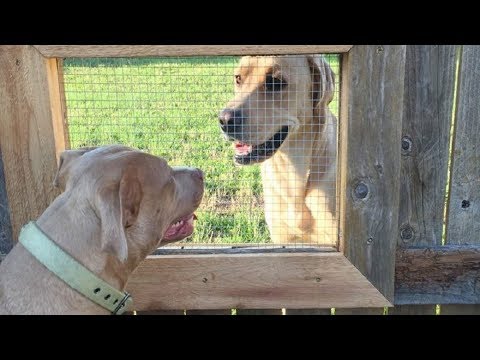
(71, 271)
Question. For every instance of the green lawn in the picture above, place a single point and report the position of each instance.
(169, 107)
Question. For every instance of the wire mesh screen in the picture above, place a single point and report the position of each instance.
(262, 128)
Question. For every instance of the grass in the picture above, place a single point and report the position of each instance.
(169, 107)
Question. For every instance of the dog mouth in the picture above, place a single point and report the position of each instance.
(246, 154)
(180, 229)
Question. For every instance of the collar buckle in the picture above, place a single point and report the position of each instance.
(121, 307)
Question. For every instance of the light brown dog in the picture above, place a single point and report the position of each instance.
(118, 206)
(279, 117)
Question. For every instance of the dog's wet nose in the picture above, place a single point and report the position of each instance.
(229, 118)
(225, 116)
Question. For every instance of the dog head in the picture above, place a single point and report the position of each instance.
(274, 97)
(139, 199)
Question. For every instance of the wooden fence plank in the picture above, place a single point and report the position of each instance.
(429, 85)
(210, 312)
(62, 51)
(359, 311)
(308, 311)
(370, 133)
(412, 310)
(161, 312)
(463, 225)
(256, 281)
(259, 311)
(32, 131)
(428, 102)
(441, 275)
(460, 310)
(6, 242)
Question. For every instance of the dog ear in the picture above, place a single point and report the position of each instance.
(118, 205)
(323, 82)
(66, 159)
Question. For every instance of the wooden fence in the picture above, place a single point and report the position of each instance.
(409, 129)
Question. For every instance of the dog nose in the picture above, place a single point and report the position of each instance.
(225, 116)
(197, 173)
(229, 118)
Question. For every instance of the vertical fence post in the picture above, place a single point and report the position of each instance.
(33, 131)
(463, 225)
(428, 102)
(370, 129)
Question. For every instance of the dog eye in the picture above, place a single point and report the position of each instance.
(238, 79)
(274, 84)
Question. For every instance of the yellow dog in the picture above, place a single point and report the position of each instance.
(279, 117)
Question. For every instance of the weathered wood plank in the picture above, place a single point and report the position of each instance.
(370, 132)
(463, 225)
(308, 311)
(161, 312)
(464, 208)
(6, 241)
(460, 310)
(32, 133)
(412, 310)
(359, 311)
(256, 281)
(441, 275)
(62, 51)
(452, 269)
(210, 312)
(428, 102)
(259, 311)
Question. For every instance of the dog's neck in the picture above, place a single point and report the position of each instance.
(63, 222)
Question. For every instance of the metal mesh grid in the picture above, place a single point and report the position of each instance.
(170, 107)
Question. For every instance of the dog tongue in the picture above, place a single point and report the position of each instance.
(242, 149)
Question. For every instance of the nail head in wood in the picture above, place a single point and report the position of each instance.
(361, 190)
(406, 145)
(406, 233)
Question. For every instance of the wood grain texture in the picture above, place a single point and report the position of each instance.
(162, 312)
(256, 281)
(31, 136)
(441, 275)
(259, 312)
(460, 310)
(61, 51)
(210, 312)
(428, 102)
(308, 311)
(6, 241)
(370, 132)
(412, 310)
(359, 311)
(62, 117)
(463, 225)
(464, 208)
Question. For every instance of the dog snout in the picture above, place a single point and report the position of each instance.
(230, 119)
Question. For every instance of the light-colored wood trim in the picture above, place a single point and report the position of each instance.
(63, 103)
(251, 281)
(343, 149)
(63, 51)
(57, 105)
(372, 123)
(31, 133)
